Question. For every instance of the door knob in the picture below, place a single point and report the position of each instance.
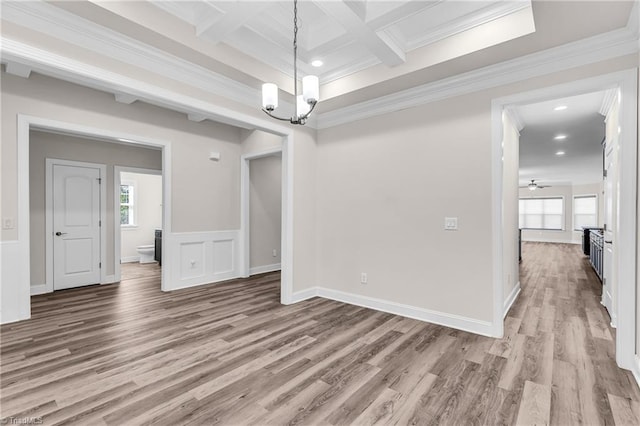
(60, 233)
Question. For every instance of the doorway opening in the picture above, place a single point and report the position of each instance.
(621, 89)
(137, 220)
(72, 232)
(261, 211)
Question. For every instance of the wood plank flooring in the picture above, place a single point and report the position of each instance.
(230, 354)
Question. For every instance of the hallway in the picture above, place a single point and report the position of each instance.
(231, 354)
(565, 342)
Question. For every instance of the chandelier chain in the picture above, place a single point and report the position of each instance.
(295, 48)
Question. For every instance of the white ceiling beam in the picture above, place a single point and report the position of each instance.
(123, 98)
(378, 43)
(16, 69)
(217, 27)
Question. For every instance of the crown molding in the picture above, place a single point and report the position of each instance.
(466, 22)
(65, 26)
(594, 49)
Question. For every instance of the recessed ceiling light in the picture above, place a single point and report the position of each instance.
(560, 137)
(560, 108)
(560, 153)
(317, 63)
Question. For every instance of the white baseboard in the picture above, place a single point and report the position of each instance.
(544, 240)
(511, 299)
(471, 325)
(299, 296)
(39, 289)
(130, 259)
(265, 268)
(635, 369)
(109, 279)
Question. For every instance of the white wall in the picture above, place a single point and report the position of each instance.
(64, 147)
(385, 185)
(265, 213)
(510, 155)
(148, 214)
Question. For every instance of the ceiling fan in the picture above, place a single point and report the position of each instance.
(533, 185)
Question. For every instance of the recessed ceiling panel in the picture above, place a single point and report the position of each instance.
(372, 32)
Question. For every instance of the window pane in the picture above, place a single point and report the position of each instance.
(541, 213)
(124, 194)
(553, 221)
(124, 215)
(553, 206)
(585, 205)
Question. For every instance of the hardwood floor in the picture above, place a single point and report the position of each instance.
(231, 354)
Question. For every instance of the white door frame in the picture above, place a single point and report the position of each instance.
(49, 163)
(245, 204)
(626, 81)
(26, 123)
(117, 238)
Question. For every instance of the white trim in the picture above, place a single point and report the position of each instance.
(40, 289)
(117, 228)
(544, 240)
(594, 49)
(200, 258)
(17, 305)
(109, 279)
(48, 227)
(510, 300)
(627, 82)
(67, 69)
(245, 203)
(265, 268)
(305, 294)
(636, 369)
(459, 322)
(128, 259)
(627, 216)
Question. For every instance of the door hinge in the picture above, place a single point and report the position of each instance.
(604, 173)
(100, 265)
(99, 223)
(99, 181)
(604, 227)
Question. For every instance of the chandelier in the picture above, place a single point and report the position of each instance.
(305, 102)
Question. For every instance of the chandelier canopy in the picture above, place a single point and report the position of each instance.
(305, 102)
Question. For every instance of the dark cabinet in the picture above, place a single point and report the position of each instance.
(586, 239)
(596, 239)
(158, 247)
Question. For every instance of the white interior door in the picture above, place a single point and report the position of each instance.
(76, 226)
(608, 278)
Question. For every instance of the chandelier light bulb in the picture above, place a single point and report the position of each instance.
(310, 89)
(269, 96)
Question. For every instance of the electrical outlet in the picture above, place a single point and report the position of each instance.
(451, 223)
(8, 223)
(274, 253)
(363, 278)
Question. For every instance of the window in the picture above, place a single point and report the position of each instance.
(542, 213)
(585, 211)
(127, 204)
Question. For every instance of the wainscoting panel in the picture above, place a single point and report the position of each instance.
(202, 257)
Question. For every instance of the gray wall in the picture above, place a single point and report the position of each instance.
(47, 145)
(265, 211)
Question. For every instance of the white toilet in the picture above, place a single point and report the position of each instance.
(146, 253)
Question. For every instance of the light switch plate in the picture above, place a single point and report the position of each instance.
(451, 223)
(8, 223)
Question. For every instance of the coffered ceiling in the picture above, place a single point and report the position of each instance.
(378, 56)
(346, 36)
